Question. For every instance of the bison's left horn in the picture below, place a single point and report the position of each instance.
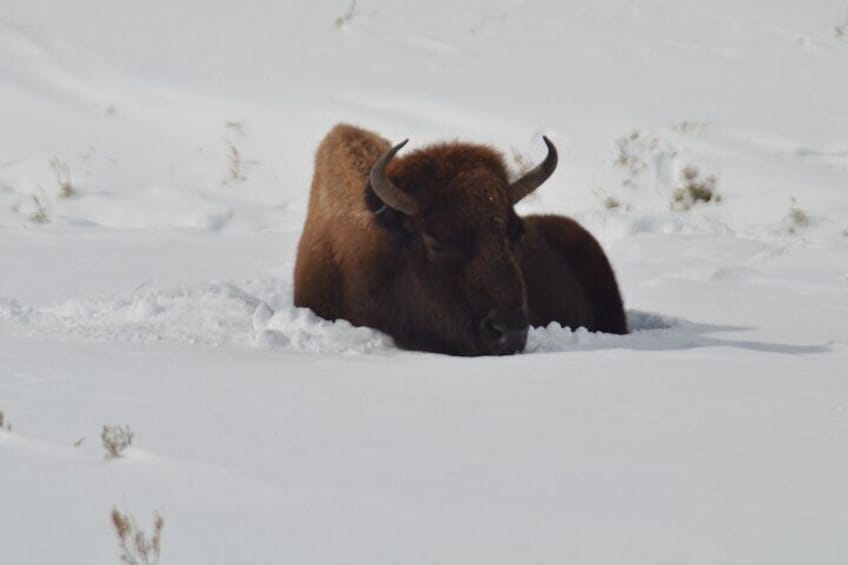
(390, 194)
(534, 179)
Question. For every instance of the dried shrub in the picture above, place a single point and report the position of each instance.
(796, 218)
(609, 202)
(115, 440)
(235, 126)
(136, 547)
(694, 190)
(5, 425)
(346, 18)
(41, 215)
(522, 161)
(687, 126)
(632, 150)
(235, 163)
(799, 217)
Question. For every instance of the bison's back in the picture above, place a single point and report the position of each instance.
(337, 222)
(568, 277)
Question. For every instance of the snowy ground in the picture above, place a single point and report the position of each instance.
(157, 293)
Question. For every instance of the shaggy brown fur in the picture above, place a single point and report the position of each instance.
(460, 274)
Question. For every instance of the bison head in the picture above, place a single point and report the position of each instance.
(459, 287)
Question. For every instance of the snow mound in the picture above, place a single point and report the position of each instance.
(648, 331)
(298, 329)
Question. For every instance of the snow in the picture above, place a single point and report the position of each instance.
(158, 293)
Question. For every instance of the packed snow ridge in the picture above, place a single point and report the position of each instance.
(259, 313)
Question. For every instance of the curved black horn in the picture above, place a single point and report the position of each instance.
(390, 194)
(534, 179)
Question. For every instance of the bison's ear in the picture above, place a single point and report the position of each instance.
(384, 216)
(388, 192)
(389, 218)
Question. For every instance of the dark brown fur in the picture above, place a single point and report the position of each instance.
(430, 280)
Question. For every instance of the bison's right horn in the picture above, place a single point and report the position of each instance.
(534, 179)
(390, 194)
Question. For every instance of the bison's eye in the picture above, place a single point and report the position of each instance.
(441, 250)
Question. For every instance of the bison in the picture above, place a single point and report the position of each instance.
(428, 249)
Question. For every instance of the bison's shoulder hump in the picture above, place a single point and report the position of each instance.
(352, 146)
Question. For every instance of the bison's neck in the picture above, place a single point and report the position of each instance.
(371, 262)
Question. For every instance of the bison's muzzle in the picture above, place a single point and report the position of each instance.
(504, 332)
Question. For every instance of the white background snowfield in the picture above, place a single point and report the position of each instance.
(155, 160)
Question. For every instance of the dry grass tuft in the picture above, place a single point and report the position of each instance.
(136, 547)
(63, 176)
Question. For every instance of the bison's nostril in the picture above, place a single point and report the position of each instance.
(504, 331)
(493, 329)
